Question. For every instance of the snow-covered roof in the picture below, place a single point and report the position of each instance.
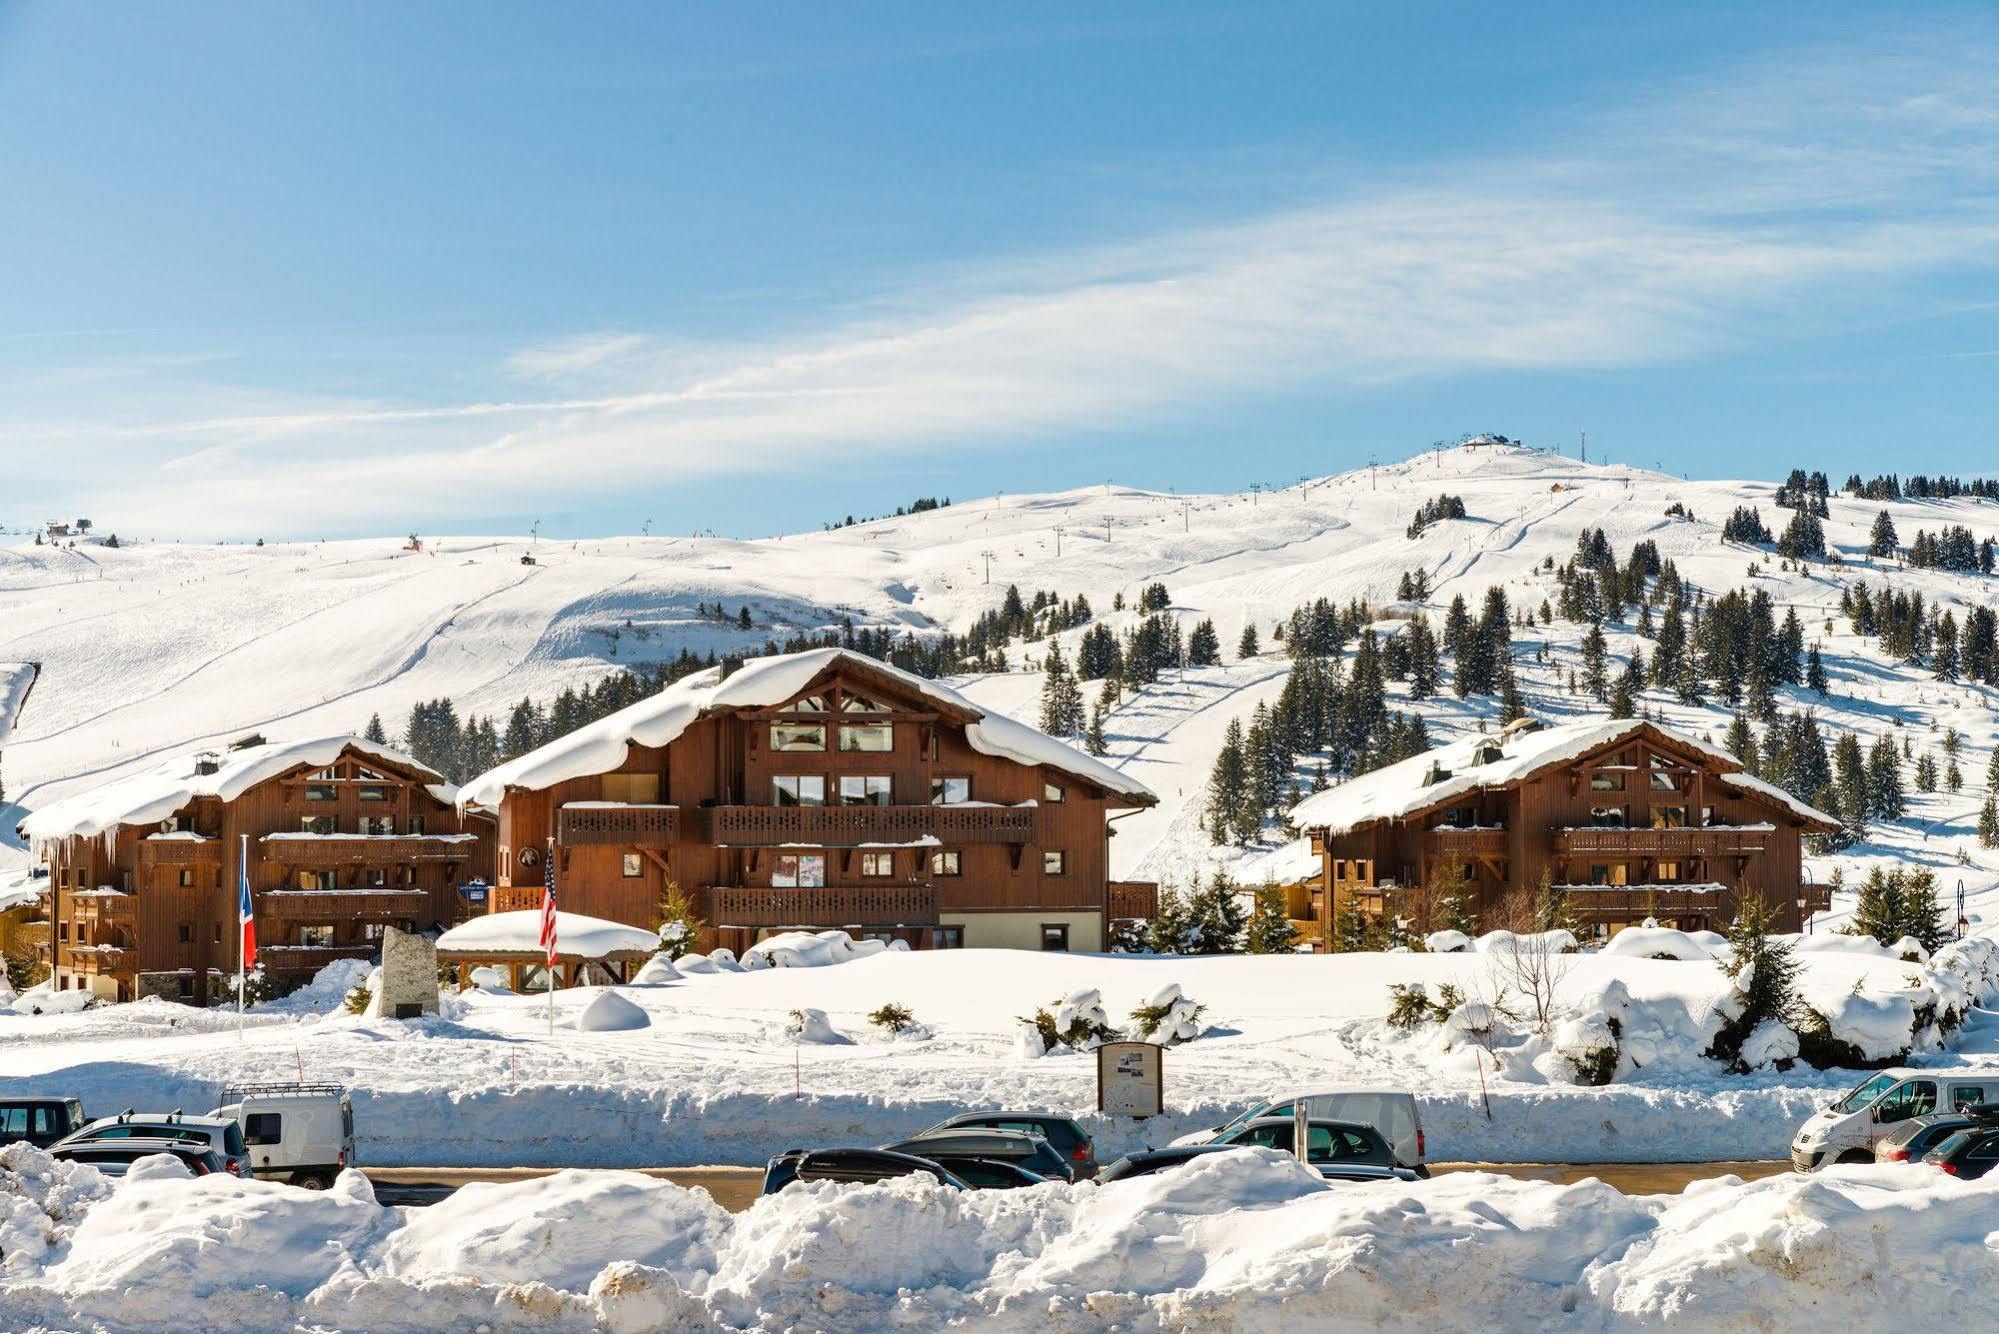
(154, 794)
(520, 933)
(19, 889)
(16, 680)
(1399, 790)
(601, 746)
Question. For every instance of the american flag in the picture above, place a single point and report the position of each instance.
(548, 904)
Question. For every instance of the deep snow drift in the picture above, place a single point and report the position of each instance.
(1249, 1241)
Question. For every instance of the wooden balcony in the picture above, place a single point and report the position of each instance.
(308, 958)
(180, 852)
(369, 905)
(1132, 900)
(99, 958)
(1710, 842)
(327, 850)
(88, 907)
(1449, 842)
(513, 898)
(1633, 902)
(608, 824)
(873, 906)
(852, 826)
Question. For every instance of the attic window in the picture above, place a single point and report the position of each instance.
(806, 704)
(861, 704)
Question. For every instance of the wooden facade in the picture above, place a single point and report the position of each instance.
(336, 852)
(1641, 826)
(857, 804)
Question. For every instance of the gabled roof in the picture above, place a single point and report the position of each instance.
(1400, 791)
(602, 746)
(151, 795)
(17, 679)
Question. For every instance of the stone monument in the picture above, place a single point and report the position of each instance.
(408, 987)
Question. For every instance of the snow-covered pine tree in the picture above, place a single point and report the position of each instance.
(1886, 797)
(1228, 785)
(1988, 824)
(1269, 930)
(1763, 971)
(1881, 909)
(1094, 741)
(1595, 678)
(1882, 539)
(1423, 666)
(1215, 918)
(1204, 646)
(1624, 695)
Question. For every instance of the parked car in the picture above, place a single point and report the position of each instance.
(859, 1165)
(990, 1173)
(1848, 1130)
(39, 1121)
(1032, 1152)
(1391, 1111)
(301, 1133)
(1063, 1134)
(1146, 1162)
(1341, 1150)
(221, 1134)
(114, 1158)
(1968, 1154)
(1908, 1142)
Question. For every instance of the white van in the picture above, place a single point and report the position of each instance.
(1390, 1111)
(1846, 1132)
(301, 1133)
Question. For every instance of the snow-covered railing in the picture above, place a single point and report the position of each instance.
(842, 826)
(318, 850)
(603, 824)
(180, 852)
(1712, 841)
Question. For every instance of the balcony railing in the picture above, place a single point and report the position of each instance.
(104, 907)
(1714, 841)
(180, 852)
(851, 826)
(342, 905)
(100, 958)
(321, 850)
(1133, 900)
(608, 824)
(886, 905)
(1621, 901)
(1449, 842)
(513, 898)
(303, 958)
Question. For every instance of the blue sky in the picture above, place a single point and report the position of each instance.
(326, 270)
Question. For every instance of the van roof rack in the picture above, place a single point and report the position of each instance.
(1984, 1113)
(235, 1092)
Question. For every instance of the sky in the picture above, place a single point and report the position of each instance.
(326, 270)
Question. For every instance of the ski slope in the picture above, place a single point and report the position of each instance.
(159, 644)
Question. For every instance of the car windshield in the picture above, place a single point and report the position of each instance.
(1866, 1094)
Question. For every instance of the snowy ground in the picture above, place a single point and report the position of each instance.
(1252, 1242)
(712, 1079)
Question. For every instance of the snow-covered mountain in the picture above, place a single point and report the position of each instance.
(157, 645)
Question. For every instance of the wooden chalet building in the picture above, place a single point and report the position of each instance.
(345, 837)
(1632, 820)
(819, 790)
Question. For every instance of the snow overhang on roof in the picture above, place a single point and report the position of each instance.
(1402, 789)
(152, 795)
(576, 936)
(602, 746)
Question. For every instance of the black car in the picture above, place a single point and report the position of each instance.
(1022, 1149)
(856, 1165)
(1063, 1135)
(1967, 1155)
(1148, 1161)
(39, 1121)
(989, 1173)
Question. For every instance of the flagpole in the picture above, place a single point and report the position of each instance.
(242, 966)
(549, 876)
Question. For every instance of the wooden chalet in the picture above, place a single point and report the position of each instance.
(344, 838)
(819, 790)
(1631, 820)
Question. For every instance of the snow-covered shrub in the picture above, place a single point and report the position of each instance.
(1909, 950)
(656, 970)
(1169, 1017)
(1475, 1022)
(1509, 942)
(679, 926)
(1129, 937)
(1762, 972)
(1408, 1005)
(1447, 942)
(811, 1026)
(1771, 1045)
(608, 1012)
(1587, 1043)
(1652, 941)
(358, 999)
(1077, 1021)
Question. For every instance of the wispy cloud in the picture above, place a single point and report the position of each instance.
(1754, 203)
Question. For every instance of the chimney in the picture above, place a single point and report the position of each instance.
(207, 762)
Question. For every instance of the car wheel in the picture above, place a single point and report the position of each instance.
(1422, 1170)
(312, 1181)
(1855, 1156)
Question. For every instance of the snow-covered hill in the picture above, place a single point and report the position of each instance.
(157, 644)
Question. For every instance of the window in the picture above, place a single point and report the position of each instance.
(1607, 817)
(216, 936)
(315, 824)
(1663, 781)
(316, 880)
(1666, 873)
(1054, 793)
(264, 1128)
(950, 791)
(375, 877)
(1966, 1095)
(947, 937)
(1918, 1097)
(1606, 782)
(1055, 936)
(372, 792)
(634, 866)
(865, 790)
(378, 824)
(416, 824)
(799, 871)
(877, 863)
(806, 704)
(1613, 873)
(633, 789)
(947, 863)
(1669, 817)
(187, 933)
(320, 792)
(785, 737)
(872, 738)
(860, 704)
(798, 790)
(1054, 862)
(320, 936)
(187, 877)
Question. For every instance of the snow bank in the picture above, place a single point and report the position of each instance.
(1508, 942)
(1250, 1240)
(325, 994)
(608, 1012)
(807, 949)
(1448, 942)
(1652, 941)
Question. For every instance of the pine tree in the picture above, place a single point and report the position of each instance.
(1741, 743)
(1166, 933)
(1204, 646)
(1246, 647)
(1763, 973)
(1270, 930)
(1926, 773)
(1094, 742)
(1953, 777)
(1228, 786)
(1815, 677)
(1215, 918)
(1881, 909)
(374, 731)
(1882, 541)
(1511, 707)
(1423, 667)
(1886, 796)
(1624, 696)
(1061, 696)
(1988, 824)
(1923, 911)
(1595, 681)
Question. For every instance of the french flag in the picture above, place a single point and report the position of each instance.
(249, 923)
